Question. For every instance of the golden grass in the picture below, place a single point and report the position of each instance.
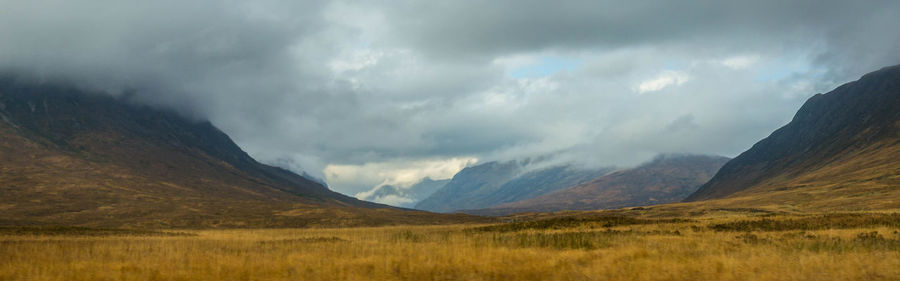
(601, 248)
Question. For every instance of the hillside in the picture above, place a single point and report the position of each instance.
(668, 178)
(494, 183)
(840, 151)
(75, 157)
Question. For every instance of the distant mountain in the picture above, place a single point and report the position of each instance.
(469, 185)
(542, 181)
(668, 178)
(495, 183)
(403, 197)
(73, 157)
(841, 150)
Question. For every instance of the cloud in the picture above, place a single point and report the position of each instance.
(488, 28)
(739, 62)
(366, 92)
(543, 67)
(663, 80)
(393, 200)
(391, 197)
(398, 173)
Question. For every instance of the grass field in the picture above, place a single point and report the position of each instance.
(858, 246)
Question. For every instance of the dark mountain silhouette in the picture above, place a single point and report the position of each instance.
(841, 145)
(77, 157)
(668, 178)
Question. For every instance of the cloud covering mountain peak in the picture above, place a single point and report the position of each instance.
(375, 84)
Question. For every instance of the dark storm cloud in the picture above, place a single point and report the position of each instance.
(379, 90)
(174, 52)
(455, 28)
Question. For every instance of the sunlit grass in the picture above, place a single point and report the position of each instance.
(604, 249)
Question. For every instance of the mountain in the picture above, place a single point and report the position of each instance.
(840, 151)
(665, 179)
(75, 157)
(542, 181)
(470, 184)
(493, 183)
(403, 197)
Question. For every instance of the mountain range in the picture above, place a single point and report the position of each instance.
(841, 151)
(70, 156)
(665, 179)
(493, 183)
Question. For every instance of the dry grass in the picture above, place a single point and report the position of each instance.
(582, 249)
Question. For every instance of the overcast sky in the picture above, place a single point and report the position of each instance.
(362, 93)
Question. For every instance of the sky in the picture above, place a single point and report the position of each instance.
(365, 93)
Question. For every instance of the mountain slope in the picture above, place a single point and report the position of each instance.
(840, 145)
(493, 183)
(81, 158)
(469, 185)
(542, 181)
(665, 179)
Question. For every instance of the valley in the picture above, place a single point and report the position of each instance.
(449, 140)
(719, 245)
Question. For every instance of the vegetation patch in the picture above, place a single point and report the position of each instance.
(407, 236)
(582, 240)
(304, 240)
(570, 222)
(814, 222)
(802, 241)
(84, 231)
